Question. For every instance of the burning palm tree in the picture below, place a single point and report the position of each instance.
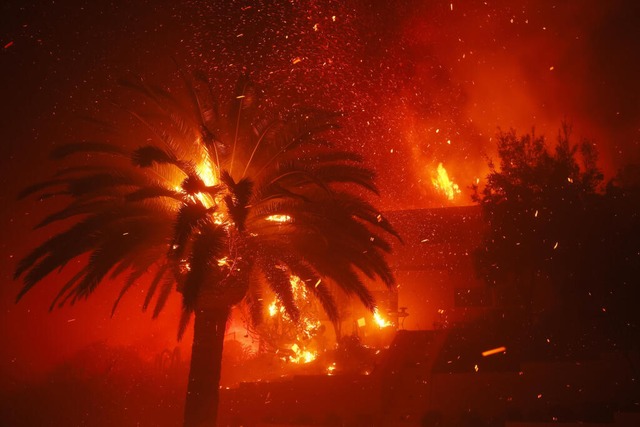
(220, 203)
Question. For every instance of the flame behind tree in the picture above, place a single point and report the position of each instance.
(220, 202)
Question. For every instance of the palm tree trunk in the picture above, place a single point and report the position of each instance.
(201, 408)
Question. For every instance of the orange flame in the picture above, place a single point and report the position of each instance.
(443, 184)
(309, 326)
(331, 368)
(302, 356)
(279, 218)
(380, 321)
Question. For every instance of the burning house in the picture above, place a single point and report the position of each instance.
(437, 287)
(423, 359)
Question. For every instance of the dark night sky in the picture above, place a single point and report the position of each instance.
(422, 82)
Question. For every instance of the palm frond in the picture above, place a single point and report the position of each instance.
(276, 192)
(161, 98)
(98, 182)
(238, 198)
(253, 300)
(32, 189)
(149, 154)
(313, 283)
(70, 283)
(163, 296)
(240, 111)
(55, 253)
(87, 147)
(278, 280)
(365, 211)
(263, 131)
(344, 173)
(162, 270)
(298, 132)
(204, 116)
(113, 249)
(193, 184)
(348, 281)
(190, 217)
(133, 277)
(151, 192)
(297, 178)
(75, 209)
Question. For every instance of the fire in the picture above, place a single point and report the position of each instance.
(445, 185)
(299, 294)
(302, 332)
(331, 368)
(279, 218)
(208, 171)
(205, 170)
(380, 321)
(273, 309)
(297, 288)
(302, 356)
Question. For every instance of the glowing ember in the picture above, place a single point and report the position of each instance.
(494, 351)
(331, 368)
(279, 218)
(297, 287)
(380, 321)
(445, 185)
(273, 309)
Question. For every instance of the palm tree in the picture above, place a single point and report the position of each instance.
(221, 203)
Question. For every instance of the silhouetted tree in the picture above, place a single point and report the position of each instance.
(538, 205)
(616, 263)
(220, 202)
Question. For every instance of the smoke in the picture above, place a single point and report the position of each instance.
(466, 69)
(424, 83)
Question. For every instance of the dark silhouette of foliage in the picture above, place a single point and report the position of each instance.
(222, 202)
(537, 204)
(558, 250)
(616, 263)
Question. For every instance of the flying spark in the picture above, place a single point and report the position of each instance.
(494, 351)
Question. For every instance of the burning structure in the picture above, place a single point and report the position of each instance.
(447, 356)
(437, 287)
